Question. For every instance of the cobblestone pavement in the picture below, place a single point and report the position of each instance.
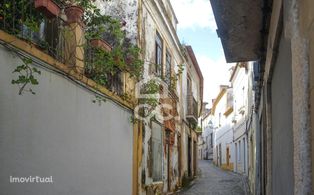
(214, 181)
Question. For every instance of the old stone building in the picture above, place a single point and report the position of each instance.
(192, 98)
(167, 149)
(85, 126)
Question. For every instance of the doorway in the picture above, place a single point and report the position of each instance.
(228, 156)
(179, 155)
(244, 156)
(194, 157)
(219, 154)
(189, 157)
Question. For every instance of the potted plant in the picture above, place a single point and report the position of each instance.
(74, 13)
(48, 7)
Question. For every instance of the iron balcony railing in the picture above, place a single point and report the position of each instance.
(101, 72)
(192, 107)
(22, 19)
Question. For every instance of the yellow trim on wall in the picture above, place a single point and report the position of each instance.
(32, 50)
(226, 167)
(221, 93)
(228, 111)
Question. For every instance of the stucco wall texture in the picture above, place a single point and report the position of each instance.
(282, 136)
(60, 132)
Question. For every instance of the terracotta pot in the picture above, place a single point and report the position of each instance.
(48, 7)
(74, 14)
(129, 60)
(99, 43)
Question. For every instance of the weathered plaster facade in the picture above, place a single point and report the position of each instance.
(144, 21)
(285, 95)
(67, 96)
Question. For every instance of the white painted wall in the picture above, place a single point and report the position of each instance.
(223, 133)
(86, 148)
(242, 100)
(208, 126)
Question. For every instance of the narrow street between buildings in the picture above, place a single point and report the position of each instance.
(215, 181)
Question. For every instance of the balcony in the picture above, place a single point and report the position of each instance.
(99, 69)
(43, 27)
(23, 20)
(192, 109)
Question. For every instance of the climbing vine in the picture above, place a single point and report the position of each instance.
(151, 88)
(21, 19)
(174, 78)
(124, 56)
(26, 76)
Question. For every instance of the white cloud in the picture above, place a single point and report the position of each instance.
(215, 73)
(194, 13)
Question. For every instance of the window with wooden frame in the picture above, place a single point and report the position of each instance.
(157, 152)
(168, 68)
(159, 55)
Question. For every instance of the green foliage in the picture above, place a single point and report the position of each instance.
(18, 14)
(26, 76)
(174, 79)
(133, 120)
(99, 99)
(180, 69)
(151, 87)
(124, 57)
(198, 129)
(22, 19)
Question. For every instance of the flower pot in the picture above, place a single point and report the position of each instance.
(99, 43)
(74, 14)
(129, 60)
(47, 7)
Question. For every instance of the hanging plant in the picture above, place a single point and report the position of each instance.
(26, 76)
(109, 51)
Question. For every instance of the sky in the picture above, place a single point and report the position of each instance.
(197, 27)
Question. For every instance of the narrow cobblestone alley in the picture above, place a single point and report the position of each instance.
(214, 181)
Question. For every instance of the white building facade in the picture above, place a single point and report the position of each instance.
(207, 136)
(232, 113)
(223, 132)
(241, 82)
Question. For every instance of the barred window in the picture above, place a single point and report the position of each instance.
(159, 54)
(168, 68)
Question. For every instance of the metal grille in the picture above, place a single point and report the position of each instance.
(20, 18)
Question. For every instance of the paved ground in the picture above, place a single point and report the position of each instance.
(214, 181)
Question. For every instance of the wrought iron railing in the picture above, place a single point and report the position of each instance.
(22, 19)
(102, 72)
(48, 33)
